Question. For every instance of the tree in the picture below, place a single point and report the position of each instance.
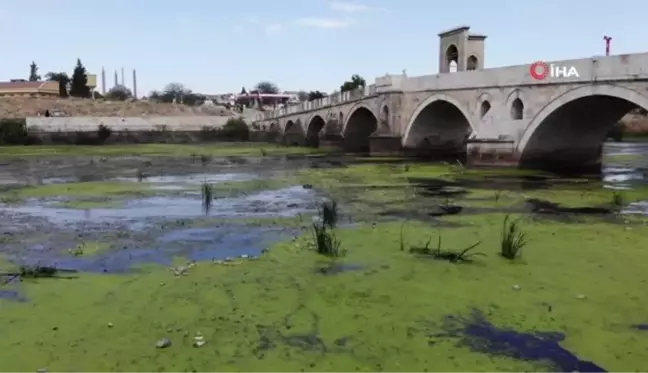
(176, 88)
(33, 72)
(178, 92)
(315, 95)
(119, 93)
(356, 82)
(302, 95)
(79, 86)
(193, 99)
(62, 78)
(266, 88)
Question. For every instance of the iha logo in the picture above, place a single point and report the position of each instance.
(541, 70)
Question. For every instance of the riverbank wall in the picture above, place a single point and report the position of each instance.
(112, 130)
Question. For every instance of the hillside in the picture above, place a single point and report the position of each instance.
(18, 107)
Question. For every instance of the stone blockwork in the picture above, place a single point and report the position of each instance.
(497, 115)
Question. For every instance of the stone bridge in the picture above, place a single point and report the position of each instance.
(492, 116)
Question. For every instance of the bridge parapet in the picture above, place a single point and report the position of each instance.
(598, 68)
(334, 99)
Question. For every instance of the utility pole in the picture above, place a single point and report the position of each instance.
(607, 44)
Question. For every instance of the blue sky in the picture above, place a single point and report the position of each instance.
(218, 46)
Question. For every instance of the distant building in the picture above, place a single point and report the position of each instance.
(24, 88)
(266, 99)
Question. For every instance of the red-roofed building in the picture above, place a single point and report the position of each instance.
(19, 88)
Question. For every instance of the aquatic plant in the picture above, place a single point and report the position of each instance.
(498, 195)
(402, 237)
(207, 196)
(329, 214)
(204, 159)
(140, 175)
(263, 152)
(453, 256)
(618, 199)
(325, 241)
(513, 239)
(449, 207)
(37, 271)
(79, 250)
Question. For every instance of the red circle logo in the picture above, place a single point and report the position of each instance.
(539, 70)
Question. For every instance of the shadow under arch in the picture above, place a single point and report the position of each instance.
(358, 127)
(385, 122)
(438, 127)
(567, 135)
(274, 131)
(294, 133)
(315, 126)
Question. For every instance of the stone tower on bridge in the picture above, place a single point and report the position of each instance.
(461, 48)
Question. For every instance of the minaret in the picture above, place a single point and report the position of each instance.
(103, 81)
(123, 83)
(134, 84)
(116, 80)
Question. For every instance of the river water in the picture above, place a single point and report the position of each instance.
(625, 164)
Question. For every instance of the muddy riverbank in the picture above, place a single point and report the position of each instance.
(152, 272)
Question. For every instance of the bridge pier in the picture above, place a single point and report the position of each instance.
(293, 139)
(385, 145)
(491, 152)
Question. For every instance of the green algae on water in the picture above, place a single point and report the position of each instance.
(279, 313)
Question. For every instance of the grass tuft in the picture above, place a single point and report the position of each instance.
(324, 238)
(207, 196)
(325, 241)
(513, 239)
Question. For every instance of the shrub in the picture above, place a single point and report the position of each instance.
(103, 132)
(236, 129)
(13, 131)
(208, 133)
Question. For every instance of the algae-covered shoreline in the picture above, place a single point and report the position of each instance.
(246, 278)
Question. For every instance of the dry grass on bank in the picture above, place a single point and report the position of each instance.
(635, 123)
(17, 107)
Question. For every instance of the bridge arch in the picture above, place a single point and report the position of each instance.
(438, 123)
(568, 133)
(315, 125)
(360, 123)
(294, 133)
